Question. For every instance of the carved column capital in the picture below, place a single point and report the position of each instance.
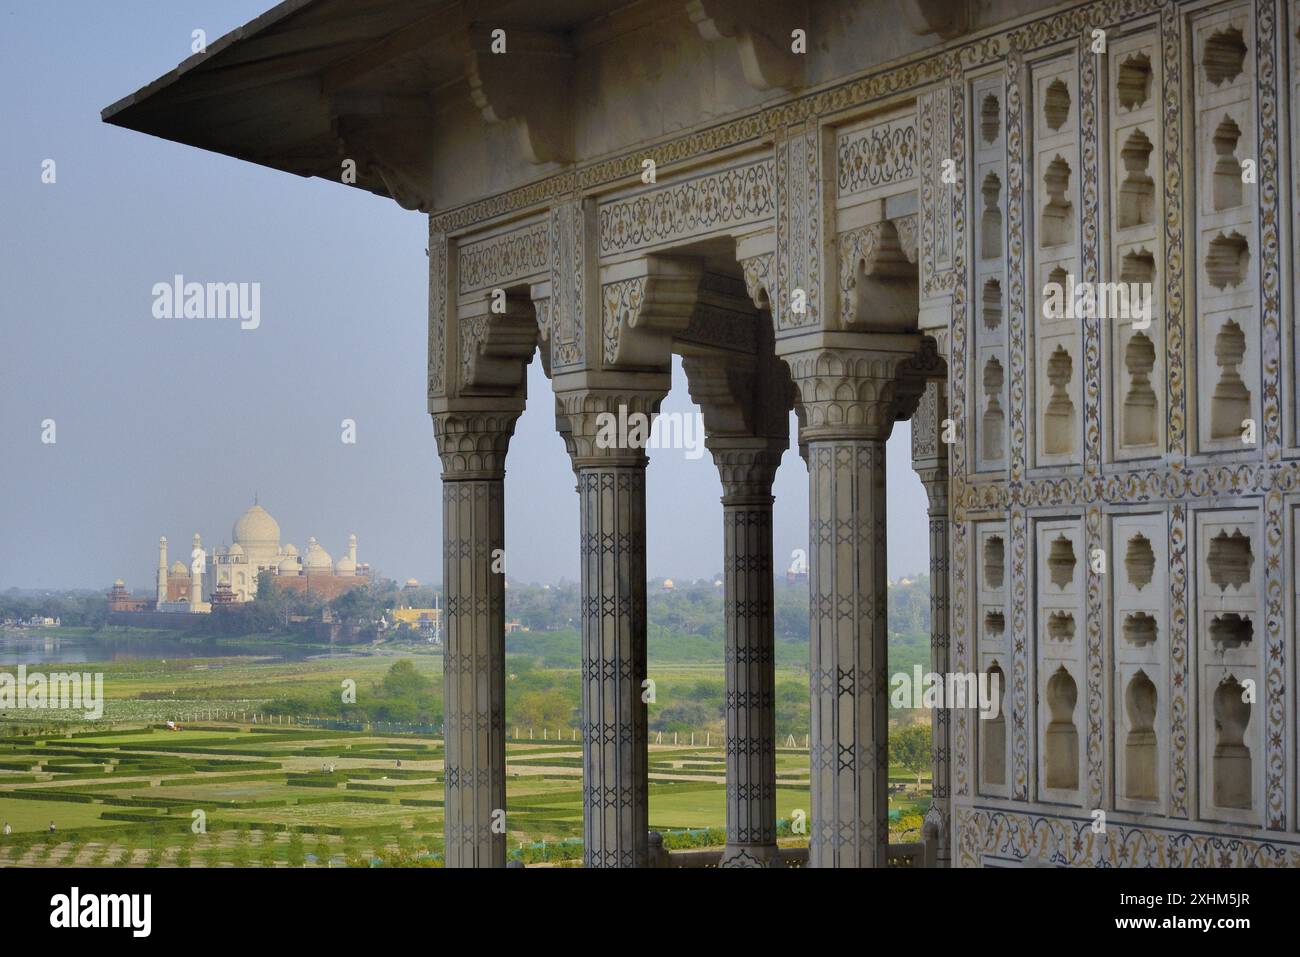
(747, 467)
(472, 442)
(609, 425)
(852, 393)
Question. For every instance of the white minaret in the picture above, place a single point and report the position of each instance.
(352, 549)
(196, 574)
(162, 569)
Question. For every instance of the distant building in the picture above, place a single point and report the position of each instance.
(428, 621)
(668, 584)
(119, 599)
(229, 575)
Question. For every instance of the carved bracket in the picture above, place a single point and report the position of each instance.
(946, 18)
(741, 396)
(879, 289)
(642, 313)
(759, 279)
(914, 376)
(496, 348)
(391, 140)
(723, 318)
(529, 86)
(762, 31)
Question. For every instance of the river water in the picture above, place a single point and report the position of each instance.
(17, 648)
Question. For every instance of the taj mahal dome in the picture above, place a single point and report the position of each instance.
(229, 574)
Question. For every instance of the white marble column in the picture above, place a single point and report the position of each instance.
(748, 467)
(930, 460)
(473, 449)
(611, 496)
(849, 408)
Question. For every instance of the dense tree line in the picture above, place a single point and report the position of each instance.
(74, 609)
(695, 608)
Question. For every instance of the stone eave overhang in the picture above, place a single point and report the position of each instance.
(312, 83)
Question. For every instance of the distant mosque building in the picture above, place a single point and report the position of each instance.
(229, 575)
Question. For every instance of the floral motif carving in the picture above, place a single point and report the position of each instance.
(876, 155)
(730, 197)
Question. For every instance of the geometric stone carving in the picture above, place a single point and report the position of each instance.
(991, 218)
(1056, 104)
(1231, 761)
(1226, 178)
(1141, 761)
(993, 734)
(1061, 744)
(1061, 561)
(1225, 54)
(1140, 629)
(1137, 194)
(1230, 403)
(1138, 265)
(994, 418)
(1226, 260)
(1133, 85)
(994, 562)
(1139, 561)
(1058, 211)
(991, 305)
(990, 119)
(1060, 626)
(1058, 414)
(1230, 559)
(1138, 420)
(1230, 631)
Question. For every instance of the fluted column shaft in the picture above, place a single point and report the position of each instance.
(473, 448)
(748, 468)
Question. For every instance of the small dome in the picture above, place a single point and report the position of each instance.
(290, 550)
(257, 528)
(345, 566)
(317, 558)
(235, 549)
(178, 568)
(119, 583)
(412, 583)
(290, 566)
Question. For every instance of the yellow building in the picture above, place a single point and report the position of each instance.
(427, 620)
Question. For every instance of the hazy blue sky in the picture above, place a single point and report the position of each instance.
(167, 427)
